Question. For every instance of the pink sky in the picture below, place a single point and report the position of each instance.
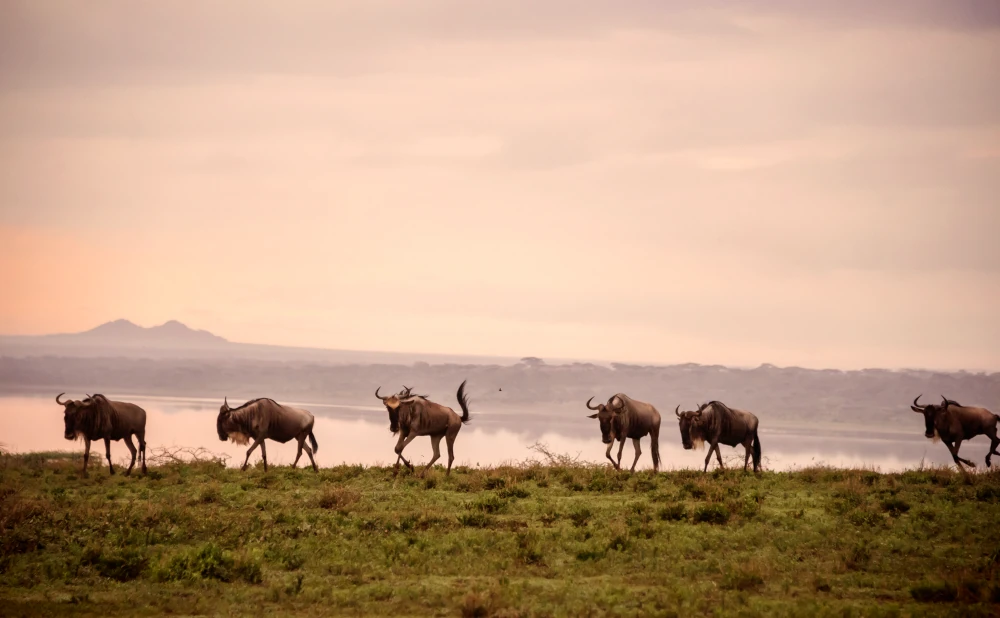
(772, 181)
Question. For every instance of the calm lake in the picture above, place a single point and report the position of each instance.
(359, 435)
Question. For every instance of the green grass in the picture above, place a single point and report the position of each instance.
(532, 540)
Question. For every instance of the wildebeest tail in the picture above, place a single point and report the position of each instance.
(463, 400)
(312, 440)
(756, 450)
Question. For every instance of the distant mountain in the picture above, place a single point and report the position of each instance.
(126, 334)
(125, 339)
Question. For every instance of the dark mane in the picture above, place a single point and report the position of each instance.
(253, 401)
(96, 420)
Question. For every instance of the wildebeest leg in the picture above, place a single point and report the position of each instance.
(142, 449)
(607, 454)
(436, 445)
(86, 454)
(250, 450)
(107, 451)
(309, 452)
(718, 455)
(451, 450)
(299, 454)
(654, 441)
(638, 451)
(621, 447)
(954, 454)
(131, 449)
(399, 449)
(994, 442)
(747, 444)
(263, 454)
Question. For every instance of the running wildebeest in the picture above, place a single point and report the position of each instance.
(413, 415)
(265, 419)
(623, 417)
(97, 418)
(715, 422)
(952, 423)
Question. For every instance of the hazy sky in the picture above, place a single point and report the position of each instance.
(812, 183)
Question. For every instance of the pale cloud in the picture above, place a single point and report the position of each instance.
(788, 182)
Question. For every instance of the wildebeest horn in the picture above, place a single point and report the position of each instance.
(677, 410)
(225, 402)
(380, 396)
(589, 407)
(944, 402)
(62, 403)
(917, 405)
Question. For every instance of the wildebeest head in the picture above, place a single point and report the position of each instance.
(393, 404)
(73, 410)
(690, 423)
(607, 414)
(931, 412)
(224, 413)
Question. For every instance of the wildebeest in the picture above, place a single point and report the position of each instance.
(953, 422)
(623, 417)
(97, 418)
(414, 415)
(716, 423)
(265, 419)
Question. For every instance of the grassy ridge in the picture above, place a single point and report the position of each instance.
(556, 540)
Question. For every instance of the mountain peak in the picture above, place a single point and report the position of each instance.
(172, 333)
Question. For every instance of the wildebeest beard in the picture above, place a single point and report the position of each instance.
(695, 436)
(239, 437)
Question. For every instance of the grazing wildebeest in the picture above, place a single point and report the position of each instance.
(97, 418)
(413, 415)
(265, 419)
(953, 422)
(623, 417)
(715, 422)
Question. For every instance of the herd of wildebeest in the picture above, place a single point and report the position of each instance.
(411, 415)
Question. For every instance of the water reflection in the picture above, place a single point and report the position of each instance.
(359, 434)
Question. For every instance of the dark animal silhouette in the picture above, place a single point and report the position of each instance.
(952, 423)
(716, 423)
(98, 418)
(265, 419)
(623, 417)
(414, 415)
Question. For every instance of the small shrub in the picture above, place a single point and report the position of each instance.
(589, 554)
(495, 482)
(528, 548)
(120, 565)
(549, 516)
(248, 569)
(644, 485)
(580, 516)
(513, 493)
(895, 506)
(210, 494)
(475, 520)
(488, 504)
(742, 580)
(430, 483)
(619, 543)
(858, 557)
(711, 514)
(338, 498)
(864, 518)
(988, 493)
(210, 562)
(934, 593)
(673, 512)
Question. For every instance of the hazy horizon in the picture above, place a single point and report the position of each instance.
(797, 184)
